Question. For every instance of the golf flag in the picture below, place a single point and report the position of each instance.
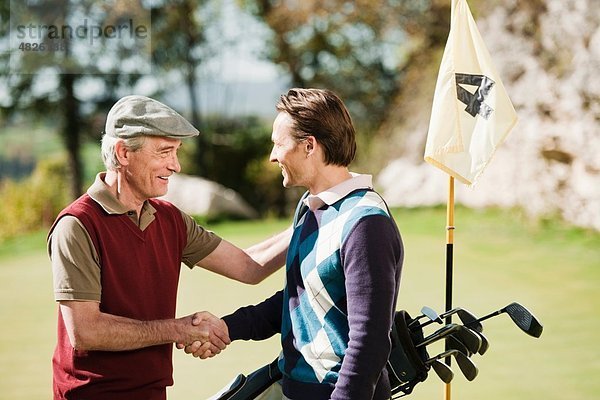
(471, 113)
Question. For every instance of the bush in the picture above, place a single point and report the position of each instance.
(266, 180)
(235, 154)
(33, 203)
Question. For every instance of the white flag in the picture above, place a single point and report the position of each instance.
(471, 113)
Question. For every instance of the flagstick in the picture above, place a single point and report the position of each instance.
(449, 257)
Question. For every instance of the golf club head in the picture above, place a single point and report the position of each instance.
(469, 338)
(428, 312)
(443, 371)
(431, 314)
(453, 343)
(469, 319)
(485, 344)
(467, 367)
(524, 319)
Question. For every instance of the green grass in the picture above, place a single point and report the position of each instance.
(552, 269)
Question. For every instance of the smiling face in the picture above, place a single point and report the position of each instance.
(288, 153)
(146, 171)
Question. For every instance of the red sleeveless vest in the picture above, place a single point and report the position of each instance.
(139, 276)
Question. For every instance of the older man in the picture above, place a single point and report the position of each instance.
(116, 254)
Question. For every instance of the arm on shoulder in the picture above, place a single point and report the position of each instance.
(251, 265)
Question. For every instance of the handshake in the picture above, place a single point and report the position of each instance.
(203, 335)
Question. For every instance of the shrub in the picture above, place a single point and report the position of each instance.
(34, 202)
(235, 154)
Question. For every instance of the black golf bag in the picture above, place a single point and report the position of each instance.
(250, 387)
(405, 366)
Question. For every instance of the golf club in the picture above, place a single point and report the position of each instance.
(520, 316)
(453, 343)
(429, 313)
(465, 316)
(485, 344)
(440, 333)
(444, 372)
(469, 338)
(467, 367)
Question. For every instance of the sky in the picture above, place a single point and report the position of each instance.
(237, 80)
(234, 80)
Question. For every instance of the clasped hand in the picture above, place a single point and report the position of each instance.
(205, 335)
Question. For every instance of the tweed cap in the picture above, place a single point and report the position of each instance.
(139, 115)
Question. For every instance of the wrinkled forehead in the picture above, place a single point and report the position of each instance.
(159, 143)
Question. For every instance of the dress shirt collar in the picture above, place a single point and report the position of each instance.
(339, 191)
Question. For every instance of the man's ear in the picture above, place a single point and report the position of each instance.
(310, 145)
(122, 153)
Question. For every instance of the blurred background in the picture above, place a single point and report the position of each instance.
(223, 65)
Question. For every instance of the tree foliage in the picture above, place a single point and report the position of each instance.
(180, 44)
(63, 80)
(56, 87)
(360, 48)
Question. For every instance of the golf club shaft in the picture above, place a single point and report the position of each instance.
(439, 334)
(490, 315)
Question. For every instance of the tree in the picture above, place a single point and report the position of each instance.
(58, 49)
(360, 49)
(370, 52)
(180, 44)
(354, 48)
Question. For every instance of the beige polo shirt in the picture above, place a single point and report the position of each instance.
(75, 263)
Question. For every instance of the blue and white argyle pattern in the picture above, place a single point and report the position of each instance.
(314, 321)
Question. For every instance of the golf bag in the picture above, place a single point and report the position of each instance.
(406, 366)
(408, 362)
(254, 386)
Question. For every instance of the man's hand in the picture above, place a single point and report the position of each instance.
(208, 335)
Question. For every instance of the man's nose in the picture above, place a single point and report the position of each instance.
(174, 164)
(273, 156)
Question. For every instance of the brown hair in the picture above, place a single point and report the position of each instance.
(322, 114)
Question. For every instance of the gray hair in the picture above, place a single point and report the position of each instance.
(109, 154)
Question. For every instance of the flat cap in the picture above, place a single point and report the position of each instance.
(140, 115)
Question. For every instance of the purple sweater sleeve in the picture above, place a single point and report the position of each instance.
(372, 258)
(257, 322)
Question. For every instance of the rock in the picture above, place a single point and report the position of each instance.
(198, 196)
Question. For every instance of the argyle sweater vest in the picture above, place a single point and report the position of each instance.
(315, 330)
(139, 277)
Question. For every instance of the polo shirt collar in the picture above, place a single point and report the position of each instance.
(101, 194)
(339, 191)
